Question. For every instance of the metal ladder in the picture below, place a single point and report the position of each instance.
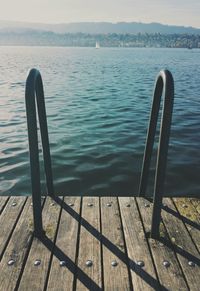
(164, 84)
(34, 94)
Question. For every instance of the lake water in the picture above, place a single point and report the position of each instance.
(98, 104)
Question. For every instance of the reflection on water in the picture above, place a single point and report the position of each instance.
(98, 105)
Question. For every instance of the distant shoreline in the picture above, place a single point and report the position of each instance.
(44, 38)
(91, 47)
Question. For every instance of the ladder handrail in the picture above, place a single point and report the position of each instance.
(34, 93)
(164, 82)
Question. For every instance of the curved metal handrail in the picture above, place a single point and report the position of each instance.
(34, 93)
(164, 84)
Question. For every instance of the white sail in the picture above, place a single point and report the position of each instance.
(97, 45)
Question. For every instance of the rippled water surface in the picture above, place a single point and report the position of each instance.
(98, 104)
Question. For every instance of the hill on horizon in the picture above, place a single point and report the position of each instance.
(98, 27)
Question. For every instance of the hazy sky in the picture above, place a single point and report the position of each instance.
(178, 12)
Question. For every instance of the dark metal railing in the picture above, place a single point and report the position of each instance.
(164, 85)
(34, 94)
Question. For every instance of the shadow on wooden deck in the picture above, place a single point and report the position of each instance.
(103, 230)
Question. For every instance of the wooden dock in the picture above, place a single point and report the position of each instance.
(94, 243)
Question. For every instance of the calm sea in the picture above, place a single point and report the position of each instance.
(98, 104)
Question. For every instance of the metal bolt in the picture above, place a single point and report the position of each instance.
(191, 264)
(128, 205)
(88, 263)
(166, 264)
(14, 204)
(71, 204)
(173, 239)
(108, 205)
(52, 204)
(90, 204)
(11, 262)
(114, 263)
(146, 205)
(62, 263)
(140, 263)
(37, 262)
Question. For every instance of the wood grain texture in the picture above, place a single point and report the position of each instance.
(103, 230)
(17, 249)
(3, 201)
(171, 278)
(182, 244)
(34, 277)
(190, 217)
(196, 203)
(62, 277)
(143, 278)
(115, 278)
(89, 278)
(8, 219)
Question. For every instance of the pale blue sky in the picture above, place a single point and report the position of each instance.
(178, 12)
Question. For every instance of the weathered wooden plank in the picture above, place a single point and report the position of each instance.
(171, 278)
(35, 271)
(62, 277)
(184, 247)
(17, 249)
(196, 203)
(115, 277)
(8, 220)
(143, 278)
(3, 201)
(190, 217)
(89, 277)
(17, 220)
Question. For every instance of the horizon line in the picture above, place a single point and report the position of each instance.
(111, 22)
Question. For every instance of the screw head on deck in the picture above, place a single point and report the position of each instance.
(90, 204)
(108, 204)
(191, 264)
(140, 263)
(11, 262)
(173, 240)
(166, 264)
(52, 204)
(13, 204)
(62, 263)
(71, 204)
(37, 262)
(114, 263)
(89, 263)
(128, 205)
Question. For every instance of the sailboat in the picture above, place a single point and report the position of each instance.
(97, 45)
